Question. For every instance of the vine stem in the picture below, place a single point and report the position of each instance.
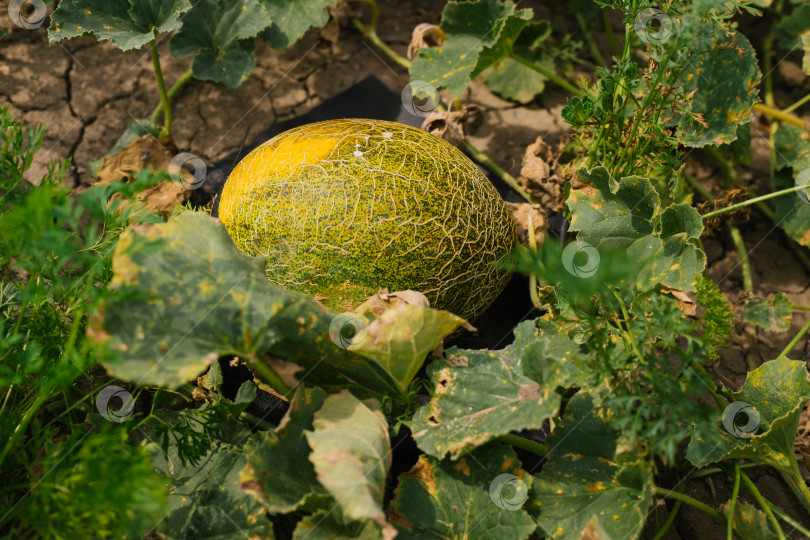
(745, 265)
(752, 489)
(733, 503)
(690, 501)
(370, 33)
(164, 97)
(794, 342)
(524, 444)
(550, 75)
(533, 277)
(181, 82)
(787, 519)
(755, 200)
(589, 39)
(670, 520)
(780, 115)
(796, 105)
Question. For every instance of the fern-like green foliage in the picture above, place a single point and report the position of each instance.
(61, 477)
(718, 320)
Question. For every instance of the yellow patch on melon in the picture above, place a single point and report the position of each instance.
(286, 153)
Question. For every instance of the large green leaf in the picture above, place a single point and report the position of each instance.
(351, 453)
(480, 395)
(278, 472)
(774, 394)
(128, 24)
(510, 78)
(290, 20)
(205, 499)
(724, 80)
(793, 32)
(330, 525)
(772, 315)
(195, 297)
(751, 522)
(626, 216)
(217, 32)
(479, 33)
(479, 496)
(792, 211)
(585, 481)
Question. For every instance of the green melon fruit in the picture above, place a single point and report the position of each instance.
(343, 208)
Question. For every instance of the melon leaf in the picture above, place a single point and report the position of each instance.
(479, 496)
(217, 32)
(626, 216)
(792, 211)
(774, 394)
(331, 525)
(351, 453)
(480, 395)
(585, 482)
(128, 24)
(478, 34)
(772, 315)
(277, 470)
(291, 20)
(188, 296)
(724, 81)
(205, 499)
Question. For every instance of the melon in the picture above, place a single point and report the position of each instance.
(343, 208)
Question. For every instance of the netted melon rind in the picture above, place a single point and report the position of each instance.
(344, 207)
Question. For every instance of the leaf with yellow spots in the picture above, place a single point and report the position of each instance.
(351, 453)
(482, 499)
(724, 80)
(586, 483)
(199, 297)
(128, 24)
(480, 395)
(772, 315)
(762, 421)
(277, 472)
(792, 211)
(626, 216)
